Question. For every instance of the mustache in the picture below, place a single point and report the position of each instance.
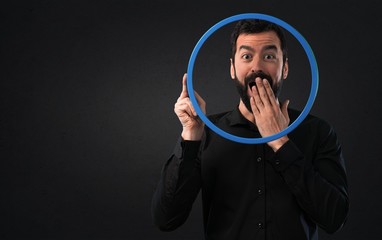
(249, 81)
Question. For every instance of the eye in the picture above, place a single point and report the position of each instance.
(246, 56)
(269, 57)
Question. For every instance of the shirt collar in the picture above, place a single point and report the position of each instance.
(236, 118)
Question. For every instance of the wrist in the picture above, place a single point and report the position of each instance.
(278, 143)
(192, 135)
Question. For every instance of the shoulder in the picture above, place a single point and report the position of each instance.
(310, 119)
(312, 124)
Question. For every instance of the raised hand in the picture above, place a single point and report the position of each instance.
(193, 126)
(269, 117)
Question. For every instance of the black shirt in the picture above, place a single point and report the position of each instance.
(252, 192)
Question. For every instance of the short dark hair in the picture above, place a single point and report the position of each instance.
(257, 26)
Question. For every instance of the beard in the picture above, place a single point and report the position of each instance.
(249, 82)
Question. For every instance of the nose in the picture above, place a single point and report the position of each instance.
(257, 65)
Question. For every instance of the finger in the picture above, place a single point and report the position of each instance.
(256, 97)
(182, 108)
(190, 108)
(271, 95)
(254, 108)
(262, 92)
(184, 92)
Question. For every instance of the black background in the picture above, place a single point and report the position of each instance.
(87, 93)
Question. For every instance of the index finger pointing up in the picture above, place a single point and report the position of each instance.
(184, 87)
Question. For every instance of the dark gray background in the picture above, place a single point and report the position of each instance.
(87, 93)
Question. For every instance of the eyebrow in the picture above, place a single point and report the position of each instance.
(270, 47)
(246, 47)
(249, 48)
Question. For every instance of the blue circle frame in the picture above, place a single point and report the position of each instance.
(313, 67)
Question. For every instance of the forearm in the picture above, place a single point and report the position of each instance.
(178, 187)
(321, 192)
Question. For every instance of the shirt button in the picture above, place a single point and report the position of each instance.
(258, 159)
(260, 225)
(277, 162)
(259, 191)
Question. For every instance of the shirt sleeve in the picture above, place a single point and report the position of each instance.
(178, 187)
(319, 182)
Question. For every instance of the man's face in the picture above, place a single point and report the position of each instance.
(258, 55)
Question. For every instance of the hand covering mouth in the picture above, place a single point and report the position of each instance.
(251, 84)
(250, 80)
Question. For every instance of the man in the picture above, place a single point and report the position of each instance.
(283, 189)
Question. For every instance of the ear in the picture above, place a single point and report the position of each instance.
(285, 69)
(232, 68)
